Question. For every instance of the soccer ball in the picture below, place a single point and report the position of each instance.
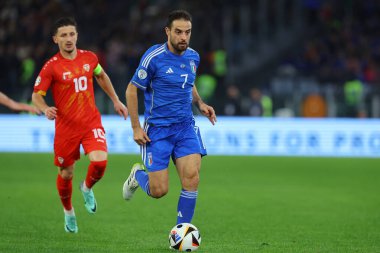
(184, 237)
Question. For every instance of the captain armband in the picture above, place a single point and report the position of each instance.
(98, 69)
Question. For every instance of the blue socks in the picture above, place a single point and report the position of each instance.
(186, 206)
(143, 180)
(186, 202)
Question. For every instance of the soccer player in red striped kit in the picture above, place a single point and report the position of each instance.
(69, 75)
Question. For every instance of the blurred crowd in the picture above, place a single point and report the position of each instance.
(345, 43)
(333, 71)
(119, 32)
(342, 47)
(344, 51)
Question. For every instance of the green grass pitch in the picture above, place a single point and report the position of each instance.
(245, 204)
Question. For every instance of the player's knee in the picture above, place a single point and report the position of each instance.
(99, 165)
(99, 168)
(66, 174)
(191, 181)
(158, 192)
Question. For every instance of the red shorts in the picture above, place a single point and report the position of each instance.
(67, 146)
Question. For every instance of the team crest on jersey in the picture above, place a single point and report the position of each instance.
(86, 67)
(38, 81)
(60, 159)
(66, 75)
(150, 158)
(193, 67)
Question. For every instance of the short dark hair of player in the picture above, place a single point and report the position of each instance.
(65, 21)
(178, 14)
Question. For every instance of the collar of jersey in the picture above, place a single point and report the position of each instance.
(171, 53)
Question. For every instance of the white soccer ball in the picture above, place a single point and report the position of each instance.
(184, 237)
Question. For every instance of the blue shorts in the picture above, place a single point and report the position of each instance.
(175, 141)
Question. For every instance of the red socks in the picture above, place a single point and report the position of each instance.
(65, 189)
(95, 172)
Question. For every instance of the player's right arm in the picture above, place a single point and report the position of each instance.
(139, 135)
(41, 85)
(140, 80)
(39, 101)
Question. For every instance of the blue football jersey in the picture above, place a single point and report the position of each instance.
(167, 80)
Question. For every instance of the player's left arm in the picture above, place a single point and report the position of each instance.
(105, 83)
(205, 109)
(17, 106)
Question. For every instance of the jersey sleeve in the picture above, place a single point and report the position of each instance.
(198, 61)
(43, 80)
(145, 71)
(94, 62)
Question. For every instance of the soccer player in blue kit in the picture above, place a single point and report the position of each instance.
(167, 74)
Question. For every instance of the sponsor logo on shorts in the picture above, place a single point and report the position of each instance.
(60, 159)
(150, 158)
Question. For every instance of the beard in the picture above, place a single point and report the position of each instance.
(179, 47)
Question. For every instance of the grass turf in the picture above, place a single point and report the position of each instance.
(245, 204)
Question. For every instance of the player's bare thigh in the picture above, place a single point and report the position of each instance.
(97, 155)
(188, 168)
(67, 172)
(159, 183)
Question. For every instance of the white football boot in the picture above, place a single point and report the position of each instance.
(131, 184)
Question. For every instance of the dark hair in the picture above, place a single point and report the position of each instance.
(65, 21)
(178, 14)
